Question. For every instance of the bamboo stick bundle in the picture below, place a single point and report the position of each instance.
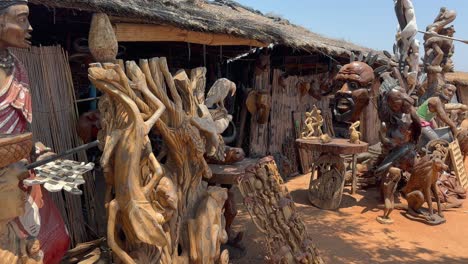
(54, 122)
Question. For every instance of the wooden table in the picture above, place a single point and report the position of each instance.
(326, 190)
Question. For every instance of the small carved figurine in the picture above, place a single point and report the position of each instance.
(313, 124)
(354, 135)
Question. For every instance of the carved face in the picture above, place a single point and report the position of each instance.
(399, 101)
(356, 79)
(449, 91)
(12, 196)
(14, 27)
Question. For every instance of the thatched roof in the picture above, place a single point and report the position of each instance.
(457, 78)
(219, 16)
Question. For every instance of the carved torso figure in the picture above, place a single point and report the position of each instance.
(22, 223)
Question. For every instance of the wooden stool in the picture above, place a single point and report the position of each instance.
(326, 191)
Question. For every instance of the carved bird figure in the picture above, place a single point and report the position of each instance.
(219, 91)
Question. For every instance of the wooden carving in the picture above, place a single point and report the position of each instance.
(399, 134)
(151, 203)
(259, 104)
(219, 91)
(330, 173)
(357, 78)
(354, 135)
(407, 44)
(438, 51)
(422, 184)
(313, 124)
(274, 213)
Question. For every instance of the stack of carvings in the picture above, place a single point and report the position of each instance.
(157, 212)
(274, 213)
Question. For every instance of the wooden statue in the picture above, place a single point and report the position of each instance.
(354, 135)
(438, 51)
(399, 134)
(158, 207)
(135, 175)
(219, 91)
(435, 106)
(422, 184)
(313, 124)
(274, 213)
(353, 96)
(408, 45)
(19, 242)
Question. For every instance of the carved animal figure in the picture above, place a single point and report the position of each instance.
(354, 135)
(129, 142)
(232, 155)
(423, 181)
(207, 230)
(219, 91)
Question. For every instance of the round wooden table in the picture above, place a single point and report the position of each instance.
(326, 190)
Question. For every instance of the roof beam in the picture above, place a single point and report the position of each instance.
(131, 32)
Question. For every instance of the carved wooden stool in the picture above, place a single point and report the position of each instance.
(326, 190)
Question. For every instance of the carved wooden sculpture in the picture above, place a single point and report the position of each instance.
(354, 135)
(423, 183)
(149, 202)
(438, 51)
(356, 78)
(408, 45)
(274, 213)
(313, 124)
(399, 134)
(19, 238)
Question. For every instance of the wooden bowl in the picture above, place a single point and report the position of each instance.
(14, 148)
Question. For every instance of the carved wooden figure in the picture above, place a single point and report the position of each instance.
(313, 124)
(423, 183)
(354, 135)
(15, 145)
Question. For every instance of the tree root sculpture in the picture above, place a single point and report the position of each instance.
(153, 207)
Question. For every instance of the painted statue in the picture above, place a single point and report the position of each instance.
(435, 106)
(25, 224)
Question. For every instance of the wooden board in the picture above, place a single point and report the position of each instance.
(228, 174)
(458, 164)
(151, 33)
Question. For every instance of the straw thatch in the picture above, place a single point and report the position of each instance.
(457, 78)
(219, 16)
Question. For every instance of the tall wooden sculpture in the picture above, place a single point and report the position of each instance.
(26, 214)
(158, 212)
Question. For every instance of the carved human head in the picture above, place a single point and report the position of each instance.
(356, 79)
(14, 24)
(448, 91)
(399, 101)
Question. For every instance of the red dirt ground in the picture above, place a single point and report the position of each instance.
(352, 235)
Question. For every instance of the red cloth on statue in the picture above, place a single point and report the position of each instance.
(42, 218)
(15, 102)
